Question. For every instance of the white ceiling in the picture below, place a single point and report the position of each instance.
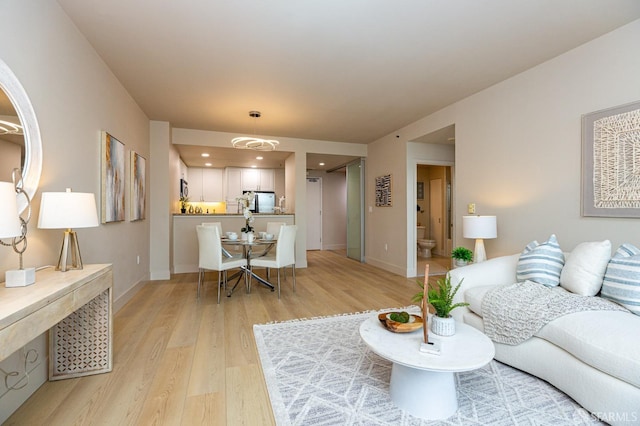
(348, 71)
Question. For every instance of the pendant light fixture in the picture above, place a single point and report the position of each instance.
(255, 143)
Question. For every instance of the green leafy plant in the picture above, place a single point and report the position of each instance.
(183, 202)
(441, 297)
(462, 253)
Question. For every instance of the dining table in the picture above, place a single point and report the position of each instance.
(248, 253)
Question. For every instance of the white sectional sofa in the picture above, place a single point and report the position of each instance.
(592, 356)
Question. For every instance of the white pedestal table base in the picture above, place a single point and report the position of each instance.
(424, 394)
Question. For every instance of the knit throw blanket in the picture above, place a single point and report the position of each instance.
(513, 313)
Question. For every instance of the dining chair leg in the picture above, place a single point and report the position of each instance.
(247, 281)
(293, 272)
(199, 282)
(219, 273)
(278, 283)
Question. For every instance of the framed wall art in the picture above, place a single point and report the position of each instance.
(113, 166)
(138, 188)
(420, 191)
(611, 162)
(383, 191)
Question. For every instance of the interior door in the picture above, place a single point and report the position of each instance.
(436, 214)
(314, 214)
(355, 210)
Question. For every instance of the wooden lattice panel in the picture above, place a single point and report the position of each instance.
(81, 343)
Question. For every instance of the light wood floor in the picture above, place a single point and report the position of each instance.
(179, 361)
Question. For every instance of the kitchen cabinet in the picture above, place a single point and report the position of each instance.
(258, 180)
(238, 180)
(205, 184)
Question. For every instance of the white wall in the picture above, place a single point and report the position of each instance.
(74, 96)
(518, 148)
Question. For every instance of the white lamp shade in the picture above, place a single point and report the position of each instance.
(66, 210)
(9, 219)
(479, 227)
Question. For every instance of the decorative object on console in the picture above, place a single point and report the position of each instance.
(13, 225)
(112, 179)
(255, 143)
(480, 228)
(541, 263)
(66, 210)
(383, 191)
(462, 255)
(609, 158)
(441, 298)
(138, 190)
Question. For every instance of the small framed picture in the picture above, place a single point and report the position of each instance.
(383, 191)
(420, 191)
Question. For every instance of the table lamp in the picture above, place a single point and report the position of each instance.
(480, 228)
(67, 210)
(13, 226)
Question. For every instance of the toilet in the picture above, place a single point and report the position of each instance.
(424, 245)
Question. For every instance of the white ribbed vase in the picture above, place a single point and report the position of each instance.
(443, 326)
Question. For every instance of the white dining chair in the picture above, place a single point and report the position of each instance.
(274, 228)
(211, 258)
(225, 252)
(284, 256)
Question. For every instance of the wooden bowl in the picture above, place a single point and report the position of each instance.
(415, 323)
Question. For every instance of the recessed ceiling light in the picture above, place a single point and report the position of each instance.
(320, 164)
(207, 164)
(254, 166)
(259, 158)
(205, 154)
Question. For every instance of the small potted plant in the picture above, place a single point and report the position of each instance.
(441, 298)
(462, 255)
(183, 204)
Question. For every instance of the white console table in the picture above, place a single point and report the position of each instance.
(75, 306)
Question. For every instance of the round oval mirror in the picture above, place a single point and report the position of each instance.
(24, 116)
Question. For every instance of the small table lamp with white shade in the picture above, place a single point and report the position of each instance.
(480, 228)
(67, 210)
(13, 226)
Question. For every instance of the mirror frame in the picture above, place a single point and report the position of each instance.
(32, 167)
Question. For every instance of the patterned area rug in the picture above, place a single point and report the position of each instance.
(319, 372)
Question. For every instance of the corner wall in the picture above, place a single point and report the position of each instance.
(74, 96)
(518, 149)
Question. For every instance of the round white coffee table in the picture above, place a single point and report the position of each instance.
(423, 384)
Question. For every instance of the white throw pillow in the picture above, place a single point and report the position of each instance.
(622, 278)
(541, 263)
(584, 268)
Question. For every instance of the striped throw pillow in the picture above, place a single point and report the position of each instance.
(541, 263)
(622, 278)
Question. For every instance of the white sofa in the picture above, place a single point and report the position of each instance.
(594, 357)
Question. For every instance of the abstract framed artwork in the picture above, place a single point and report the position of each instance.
(113, 166)
(138, 188)
(611, 162)
(383, 191)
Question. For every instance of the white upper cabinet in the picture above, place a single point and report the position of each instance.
(258, 180)
(205, 184)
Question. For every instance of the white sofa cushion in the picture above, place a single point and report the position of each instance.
(584, 268)
(622, 278)
(606, 340)
(541, 263)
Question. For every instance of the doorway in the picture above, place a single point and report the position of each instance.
(314, 213)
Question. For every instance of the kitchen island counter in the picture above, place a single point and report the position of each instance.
(185, 240)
